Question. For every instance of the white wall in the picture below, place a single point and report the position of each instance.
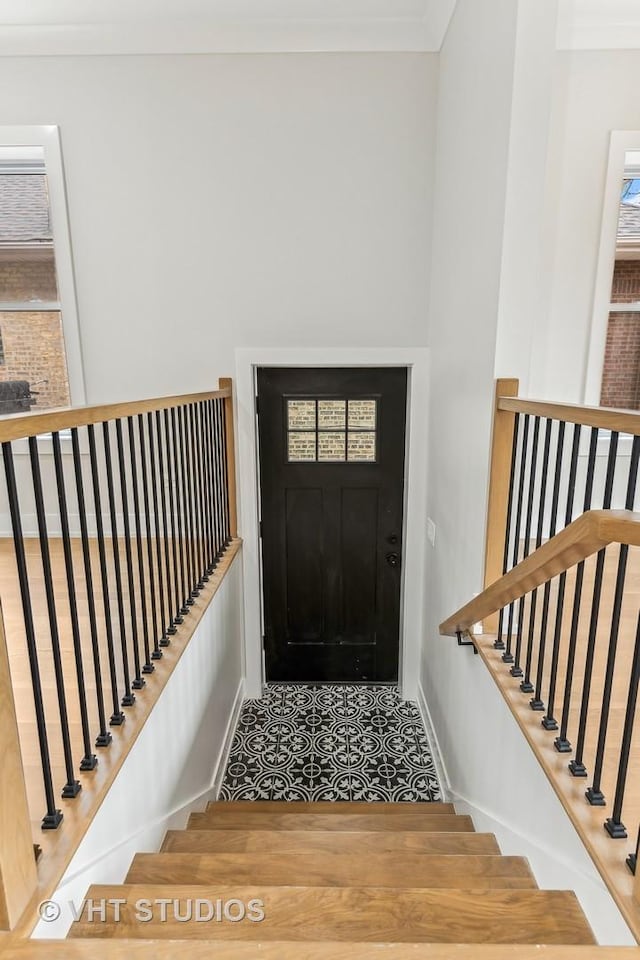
(176, 760)
(232, 201)
(499, 123)
(596, 92)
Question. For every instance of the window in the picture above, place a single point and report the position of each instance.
(331, 430)
(40, 350)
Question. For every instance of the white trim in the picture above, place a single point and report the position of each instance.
(434, 745)
(29, 306)
(411, 34)
(227, 741)
(415, 514)
(621, 142)
(48, 138)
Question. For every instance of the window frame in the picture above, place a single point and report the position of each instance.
(48, 138)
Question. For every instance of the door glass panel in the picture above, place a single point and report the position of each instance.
(301, 414)
(331, 414)
(362, 446)
(331, 446)
(362, 414)
(301, 446)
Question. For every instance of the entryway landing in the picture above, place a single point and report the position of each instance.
(330, 742)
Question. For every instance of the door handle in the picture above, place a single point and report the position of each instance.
(393, 559)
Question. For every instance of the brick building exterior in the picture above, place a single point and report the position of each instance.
(621, 372)
(31, 342)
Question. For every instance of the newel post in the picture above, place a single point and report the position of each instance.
(227, 382)
(18, 875)
(498, 503)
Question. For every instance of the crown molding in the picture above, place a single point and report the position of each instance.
(359, 26)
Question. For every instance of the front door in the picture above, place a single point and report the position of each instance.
(331, 485)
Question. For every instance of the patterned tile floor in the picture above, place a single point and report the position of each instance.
(333, 742)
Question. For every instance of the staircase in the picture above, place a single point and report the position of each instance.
(341, 877)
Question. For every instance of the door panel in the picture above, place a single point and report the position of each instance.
(331, 487)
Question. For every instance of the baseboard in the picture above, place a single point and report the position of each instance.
(225, 749)
(436, 753)
(554, 870)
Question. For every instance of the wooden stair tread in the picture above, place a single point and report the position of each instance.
(330, 807)
(352, 843)
(210, 819)
(357, 913)
(333, 869)
(94, 949)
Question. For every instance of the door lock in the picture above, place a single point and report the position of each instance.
(393, 559)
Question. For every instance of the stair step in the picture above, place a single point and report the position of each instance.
(353, 913)
(95, 949)
(211, 819)
(311, 841)
(333, 869)
(329, 807)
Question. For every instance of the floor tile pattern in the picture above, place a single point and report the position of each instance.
(330, 742)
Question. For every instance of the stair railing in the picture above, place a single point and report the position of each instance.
(561, 611)
(119, 514)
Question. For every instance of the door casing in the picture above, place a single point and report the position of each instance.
(416, 359)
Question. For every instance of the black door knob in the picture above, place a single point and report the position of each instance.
(393, 559)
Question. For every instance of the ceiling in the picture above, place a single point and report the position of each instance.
(201, 26)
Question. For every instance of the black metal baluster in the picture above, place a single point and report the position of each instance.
(72, 786)
(129, 697)
(549, 722)
(137, 682)
(516, 669)
(167, 624)
(190, 592)
(526, 686)
(632, 859)
(219, 481)
(217, 532)
(536, 702)
(499, 642)
(117, 717)
(561, 743)
(225, 471)
(594, 793)
(179, 492)
(209, 492)
(176, 532)
(202, 444)
(197, 475)
(104, 737)
(577, 766)
(147, 666)
(196, 583)
(613, 825)
(507, 656)
(53, 817)
(89, 760)
(157, 626)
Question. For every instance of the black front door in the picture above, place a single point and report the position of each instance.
(331, 484)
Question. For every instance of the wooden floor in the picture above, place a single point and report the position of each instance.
(19, 660)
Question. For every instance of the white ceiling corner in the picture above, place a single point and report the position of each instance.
(209, 26)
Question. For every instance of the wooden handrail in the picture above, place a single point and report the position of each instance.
(587, 535)
(18, 426)
(622, 421)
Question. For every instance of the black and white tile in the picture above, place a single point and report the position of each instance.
(332, 742)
